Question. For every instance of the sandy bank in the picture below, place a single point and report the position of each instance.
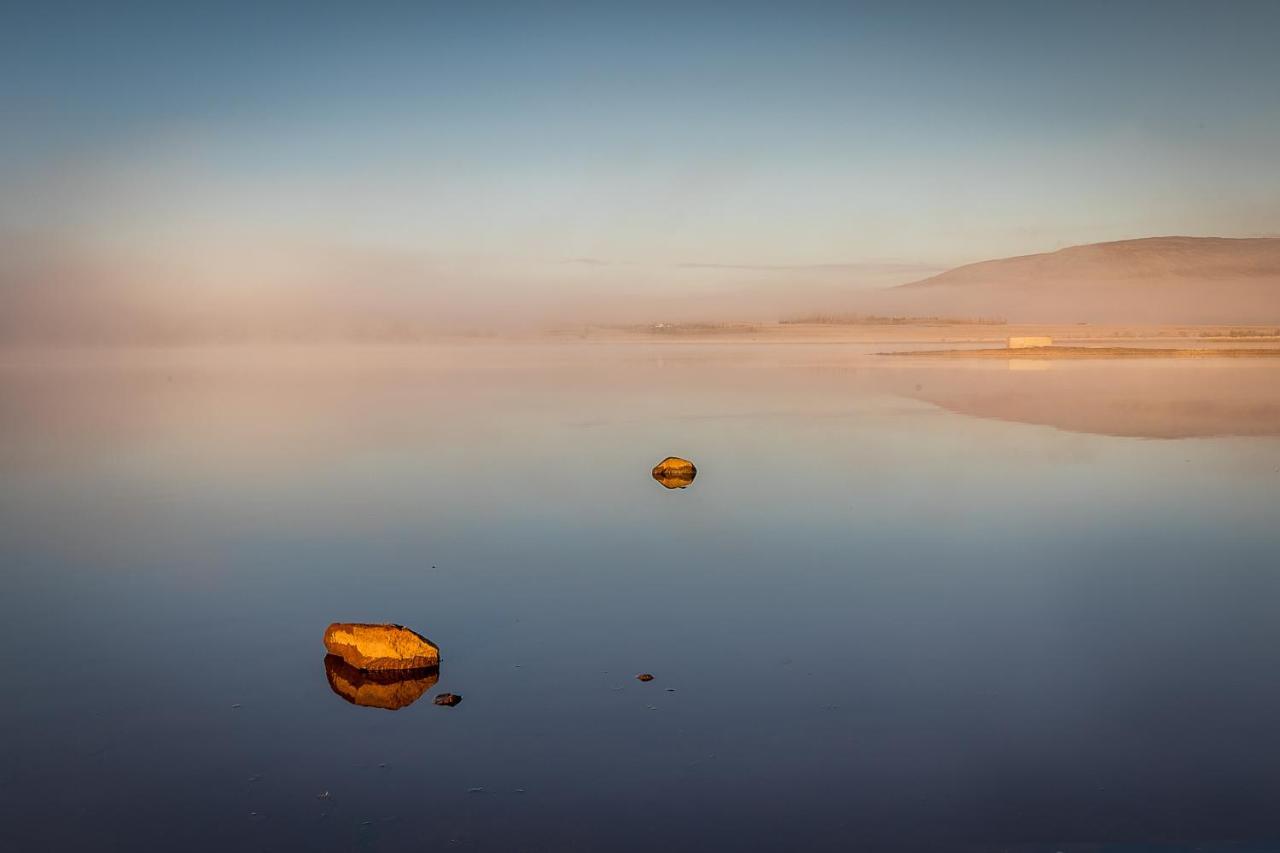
(1059, 352)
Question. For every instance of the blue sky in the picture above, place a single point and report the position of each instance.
(650, 136)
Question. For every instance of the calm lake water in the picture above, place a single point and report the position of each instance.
(904, 605)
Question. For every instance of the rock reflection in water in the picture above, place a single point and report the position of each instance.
(391, 690)
(674, 472)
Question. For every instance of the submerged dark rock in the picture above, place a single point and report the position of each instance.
(644, 676)
(449, 699)
(674, 472)
(390, 690)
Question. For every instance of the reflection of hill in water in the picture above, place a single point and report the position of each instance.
(1122, 399)
(388, 689)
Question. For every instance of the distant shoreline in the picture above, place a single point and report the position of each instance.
(1060, 352)
(878, 333)
(901, 335)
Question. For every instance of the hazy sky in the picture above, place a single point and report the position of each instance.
(536, 155)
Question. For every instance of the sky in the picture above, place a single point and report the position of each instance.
(233, 168)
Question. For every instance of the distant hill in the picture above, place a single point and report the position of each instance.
(1158, 279)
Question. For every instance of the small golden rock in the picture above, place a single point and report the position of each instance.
(674, 472)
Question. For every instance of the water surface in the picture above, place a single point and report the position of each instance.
(902, 606)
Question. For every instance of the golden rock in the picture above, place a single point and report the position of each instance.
(387, 689)
(674, 472)
(380, 647)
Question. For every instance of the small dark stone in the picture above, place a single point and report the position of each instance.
(644, 676)
(449, 699)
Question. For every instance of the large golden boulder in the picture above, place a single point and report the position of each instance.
(380, 647)
(674, 472)
(388, 689)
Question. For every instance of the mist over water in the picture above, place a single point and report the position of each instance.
(902, 605)
(318, 289)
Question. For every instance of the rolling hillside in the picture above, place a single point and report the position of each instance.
(1159, 279)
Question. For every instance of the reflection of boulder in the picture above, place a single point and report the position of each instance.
(674, 472)
(379, 647)
(391, 690)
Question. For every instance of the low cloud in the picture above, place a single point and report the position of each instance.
(70, 290)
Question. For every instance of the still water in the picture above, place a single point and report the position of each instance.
(903, 606)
